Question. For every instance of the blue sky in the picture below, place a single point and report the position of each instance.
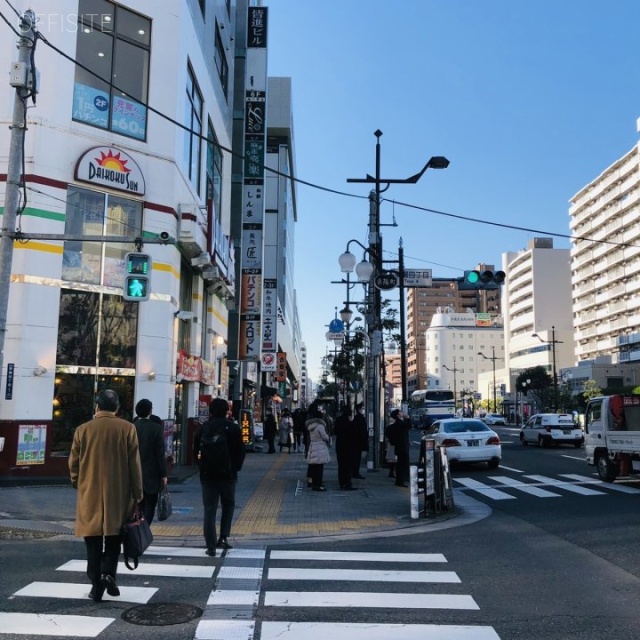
(529, 100)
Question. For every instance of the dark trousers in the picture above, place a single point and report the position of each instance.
(316, 471)
(345, 459)
(148, 505)
(271, 439)
(212, 492)
(297, 440)
(356, 461)
(102, 556)
(402, 467)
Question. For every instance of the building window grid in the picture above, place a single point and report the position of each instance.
(220, 60)
(193, 142)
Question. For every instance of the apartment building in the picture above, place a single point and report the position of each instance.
(537, 301)
(605, 262)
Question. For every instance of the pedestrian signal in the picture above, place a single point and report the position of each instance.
(137, 283)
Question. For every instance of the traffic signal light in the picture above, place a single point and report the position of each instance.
(137, 282)
(481, 278)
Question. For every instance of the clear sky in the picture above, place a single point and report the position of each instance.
(528, 99)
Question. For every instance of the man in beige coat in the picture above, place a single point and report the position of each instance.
(105, 469)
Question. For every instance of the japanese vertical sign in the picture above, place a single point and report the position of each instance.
(255, 135)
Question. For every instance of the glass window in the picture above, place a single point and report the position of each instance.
(214, 172)
(93, 213)
(193, 122)
(113, 46)
(220, 58)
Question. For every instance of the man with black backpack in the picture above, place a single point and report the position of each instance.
(220, 452)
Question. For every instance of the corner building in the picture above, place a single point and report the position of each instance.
(143, 156)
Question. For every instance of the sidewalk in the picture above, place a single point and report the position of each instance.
(273, 505)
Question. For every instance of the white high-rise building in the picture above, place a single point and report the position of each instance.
(605, 262)
(537, 300)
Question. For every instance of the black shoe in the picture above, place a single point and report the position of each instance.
(108, 582)
(97, 591)
(211, 552)
(223, 544)
(401, 484)
(349, 488)
(319, 488)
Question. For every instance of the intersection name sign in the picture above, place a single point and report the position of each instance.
(417, 278)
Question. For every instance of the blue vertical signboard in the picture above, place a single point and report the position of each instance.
(8, 393)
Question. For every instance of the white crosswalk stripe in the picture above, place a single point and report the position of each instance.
(293, 566)
(541, 486)
(41, 624)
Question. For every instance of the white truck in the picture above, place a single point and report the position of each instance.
(612, 434)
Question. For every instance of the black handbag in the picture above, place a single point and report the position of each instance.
(164, 504)
(136, 538)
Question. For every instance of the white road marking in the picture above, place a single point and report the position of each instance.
(581, 458)
(138, 595)
(566, 486)
(523, 486)
(360, 575)
(352, 600)
(237, 597)
(359, 556)
(484, 489)
(607, 485)
(45, 624)
(225, 629)
(511, 469)
(239, 573)
(370, 631)
(247, 553)
(175, 552)
(148, 569)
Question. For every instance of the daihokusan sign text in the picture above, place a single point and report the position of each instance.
(110, 167)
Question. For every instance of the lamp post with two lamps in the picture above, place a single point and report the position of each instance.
(493, 359)
(553, 342)
(455, 384)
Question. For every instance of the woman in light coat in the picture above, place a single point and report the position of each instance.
(318, 454)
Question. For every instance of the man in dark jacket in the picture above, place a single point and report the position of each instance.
(361, 440)
(398, 435)
(219, 484)
(152, 457)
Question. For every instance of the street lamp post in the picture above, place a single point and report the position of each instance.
(493, 359)
(524, 384)
(374, 399)
(455, 388)
(553, 342)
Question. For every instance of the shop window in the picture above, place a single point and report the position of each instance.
(193, 131)
(96, 350)
(98, 214)
(112, 80)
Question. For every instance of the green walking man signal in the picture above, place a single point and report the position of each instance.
(137, 282)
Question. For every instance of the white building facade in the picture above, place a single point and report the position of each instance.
(537, 308)
(605, 262)
(453, 344)
(147, 160)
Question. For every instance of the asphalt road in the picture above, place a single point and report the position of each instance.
(558, 558)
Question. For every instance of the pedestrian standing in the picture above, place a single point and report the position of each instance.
(152, 457)
(299, 419)
(344, 429)
(220, 452)
(398, 434)
(361, 441)
(318, 454)
(285, 430)
(270, 430)
(104, 464)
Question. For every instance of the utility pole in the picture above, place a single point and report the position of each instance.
(403, 346)
(22, 79)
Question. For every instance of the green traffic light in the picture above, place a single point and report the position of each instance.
(473, 277)
(137, 288)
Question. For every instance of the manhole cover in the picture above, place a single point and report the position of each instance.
(161, 614)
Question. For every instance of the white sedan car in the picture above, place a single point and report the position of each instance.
(467, 440)
(493, 418)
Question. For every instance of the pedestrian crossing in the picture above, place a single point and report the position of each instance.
(540, 486)
(285, 583)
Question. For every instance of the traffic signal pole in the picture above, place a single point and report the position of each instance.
(14, 166)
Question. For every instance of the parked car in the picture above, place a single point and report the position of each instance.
(467, 440)
(494, 418)
(546, 429)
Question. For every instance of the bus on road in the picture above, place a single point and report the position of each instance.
(428, 405)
